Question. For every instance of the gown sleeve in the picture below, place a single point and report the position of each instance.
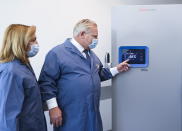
(104, 73)
(48, 77)
(12, 97)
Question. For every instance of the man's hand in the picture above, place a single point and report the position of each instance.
(55, 116)
(124, 66)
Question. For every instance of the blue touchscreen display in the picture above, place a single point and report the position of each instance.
(137, 55)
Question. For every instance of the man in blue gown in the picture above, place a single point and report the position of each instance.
(70, 81)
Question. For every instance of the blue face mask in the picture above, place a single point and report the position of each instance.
(34, 49)
(93, 44)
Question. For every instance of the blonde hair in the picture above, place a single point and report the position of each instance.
(83, 25)
(15, 42)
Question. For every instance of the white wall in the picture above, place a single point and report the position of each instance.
(55, 20)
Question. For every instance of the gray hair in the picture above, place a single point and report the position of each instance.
(83, 25)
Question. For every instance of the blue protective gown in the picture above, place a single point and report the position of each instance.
(67, 76)
(20, 99)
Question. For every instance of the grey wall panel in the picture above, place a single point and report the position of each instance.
(150, 99)
(106, 92)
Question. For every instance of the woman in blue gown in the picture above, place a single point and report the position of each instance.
(20, 99)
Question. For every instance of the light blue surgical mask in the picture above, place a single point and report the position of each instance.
(93, 44)
(34, 49)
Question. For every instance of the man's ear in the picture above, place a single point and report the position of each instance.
(82, 34)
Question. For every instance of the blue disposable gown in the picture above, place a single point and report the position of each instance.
(67, 76)
(20, 99)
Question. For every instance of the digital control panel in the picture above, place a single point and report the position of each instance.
(138, 56)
